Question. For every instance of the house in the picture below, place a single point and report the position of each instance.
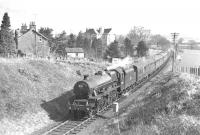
(107, 36)
(90, 33)
(30, 42)
(104, 34)
(75, 52)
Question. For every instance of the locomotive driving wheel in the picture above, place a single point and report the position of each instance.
(74, 114)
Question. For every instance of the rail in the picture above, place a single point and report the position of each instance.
(72, 129)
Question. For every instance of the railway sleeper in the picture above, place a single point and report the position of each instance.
(76, 131)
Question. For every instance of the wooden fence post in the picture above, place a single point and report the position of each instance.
(190, 70)
(199, 71)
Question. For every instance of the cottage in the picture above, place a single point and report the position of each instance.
(32, 43)
(75, 52)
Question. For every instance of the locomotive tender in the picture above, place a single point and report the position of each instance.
(100, 90)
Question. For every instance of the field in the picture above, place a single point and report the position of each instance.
(26, 84)
(190, 58)
(171, 106)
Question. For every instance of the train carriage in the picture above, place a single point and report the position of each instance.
(144, 69)
(140, 72)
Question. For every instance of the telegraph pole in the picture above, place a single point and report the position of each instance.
(175, 46)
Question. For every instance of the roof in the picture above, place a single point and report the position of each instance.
(91, 31)
(74, 50)
(40, 34)
(34, 32)
(106, 31)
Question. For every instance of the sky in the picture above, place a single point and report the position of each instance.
(160, 16)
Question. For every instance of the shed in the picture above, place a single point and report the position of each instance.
(75, 52)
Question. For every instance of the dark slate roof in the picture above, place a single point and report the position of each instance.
(40, 34)
(23, 33)
(74, 50)
(106, 31)
(98, 30)
(34, 32)
(91, 31)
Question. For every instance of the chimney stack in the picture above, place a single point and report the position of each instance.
(101, 30)
(23, 28)
(32, 26)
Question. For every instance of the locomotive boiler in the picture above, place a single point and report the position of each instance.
(95, 92)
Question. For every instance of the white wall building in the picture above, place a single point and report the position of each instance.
(75, 52)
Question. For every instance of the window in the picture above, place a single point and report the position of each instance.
(40, 39)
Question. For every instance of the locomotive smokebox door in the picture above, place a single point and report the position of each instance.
(115, 107)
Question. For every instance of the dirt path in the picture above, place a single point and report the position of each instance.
(128, 104)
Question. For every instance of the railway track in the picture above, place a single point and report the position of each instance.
(70, 127)
(73, 127)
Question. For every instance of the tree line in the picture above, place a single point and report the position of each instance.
(137, 40)
(61, 41)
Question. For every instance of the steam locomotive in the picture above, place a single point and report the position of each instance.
(94, 93)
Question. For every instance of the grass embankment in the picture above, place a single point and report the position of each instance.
(26, 84)
(171, 108)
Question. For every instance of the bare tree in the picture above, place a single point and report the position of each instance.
(159, 40)
(180, 41)
(193, 44)
(120, 39)
(138, 34)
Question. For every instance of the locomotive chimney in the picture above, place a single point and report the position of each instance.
(100, 73)
(85, 77)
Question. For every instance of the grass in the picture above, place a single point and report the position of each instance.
(28, 123)
(172, 108)
(26, 84)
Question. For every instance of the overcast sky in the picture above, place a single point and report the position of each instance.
(160, 16)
